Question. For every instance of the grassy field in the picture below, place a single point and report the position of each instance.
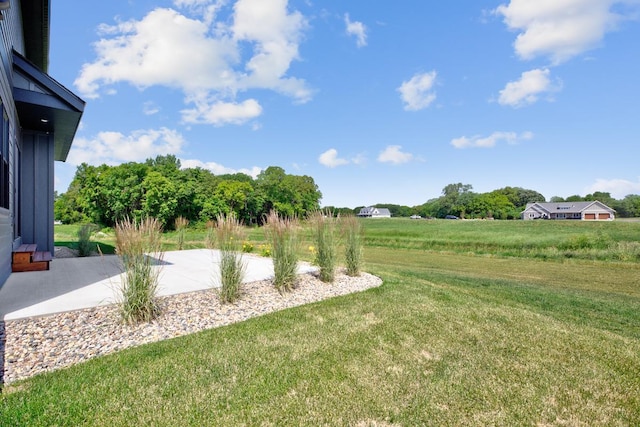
(472, 326)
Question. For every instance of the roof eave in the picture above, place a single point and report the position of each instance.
(35, 23)
(58, 111)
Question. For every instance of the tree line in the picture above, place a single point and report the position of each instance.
(160, 188)
(505, 203)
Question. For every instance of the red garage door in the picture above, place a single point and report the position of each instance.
(603, 216)
(590, 216)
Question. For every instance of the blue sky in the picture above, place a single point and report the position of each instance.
(380, 102)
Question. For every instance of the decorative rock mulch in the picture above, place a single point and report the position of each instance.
(35, 345)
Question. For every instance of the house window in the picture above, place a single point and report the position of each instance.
(4, 161)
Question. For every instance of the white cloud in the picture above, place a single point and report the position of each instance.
(359, 159)
(222, 113)
(149, 108)
(203, 55)
(559, 29)
(114, 148)
(393, 154)
(528, 89)
(618, 188)
(491, 140)
(218, 169)
(330, 159)
(417, 93)
(357, 29)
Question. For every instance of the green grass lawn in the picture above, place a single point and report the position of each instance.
(454, 336)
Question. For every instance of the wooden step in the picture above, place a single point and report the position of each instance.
(32, 266)
(28, 258)
(42, 256)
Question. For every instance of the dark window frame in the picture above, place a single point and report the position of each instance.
(5, 194)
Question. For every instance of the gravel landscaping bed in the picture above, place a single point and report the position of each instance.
(35, 345)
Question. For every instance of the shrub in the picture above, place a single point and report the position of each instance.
(85, 245)
(352, 230)
(247, 247)
(265, 250)
(229, 234)
(323, 227)
(181, 224)
(138, 245)
(282, 234)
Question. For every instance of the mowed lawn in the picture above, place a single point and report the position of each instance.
(458, 334)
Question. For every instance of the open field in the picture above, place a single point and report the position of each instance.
(473, 326)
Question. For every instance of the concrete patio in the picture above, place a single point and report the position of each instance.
(76, 283)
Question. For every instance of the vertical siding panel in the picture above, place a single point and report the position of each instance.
(6, 245)
(11, 38)
(37, 199)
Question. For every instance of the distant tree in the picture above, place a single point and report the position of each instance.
(601, 197)
(631, 204)
(629, 207)
(289, 195)
(455, 199)
(557, 199)
(78, 204)
(519, 196)
(168, 166)
(160, 200)
(338, 211)
(574, 198)
(491, 205)
(119, 192)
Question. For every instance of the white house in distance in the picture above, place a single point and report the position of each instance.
(584, 211)
(374, 212)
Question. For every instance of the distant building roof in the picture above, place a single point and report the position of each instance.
(374, 211)
(565, 207)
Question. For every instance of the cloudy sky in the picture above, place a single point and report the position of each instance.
(380, 102)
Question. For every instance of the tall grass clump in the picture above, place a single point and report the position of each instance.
(210, 236)
(85, 245)
(352, 230)
(181, 224)
(323, 228)
(139, 248)
(229, 235)
(282, 235)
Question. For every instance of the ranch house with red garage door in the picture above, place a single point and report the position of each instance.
(584, 211)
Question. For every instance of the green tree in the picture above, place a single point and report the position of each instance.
(455, 200)
(491, 205)
(289, 195)
(119, 192)
(600, 196)
(159, 198)
(519, 196)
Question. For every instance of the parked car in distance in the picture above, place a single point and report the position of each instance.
(451, 217)
(415, 217)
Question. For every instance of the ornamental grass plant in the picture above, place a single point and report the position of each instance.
(229, 234)
(139, 247)
(282, 235)
(181, 224)
(85, 246)
(210, 236)
(352, 230)
(323, 229)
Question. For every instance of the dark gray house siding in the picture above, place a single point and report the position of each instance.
(11, 38)
(37, 200)
(6, 238)
(39, 121)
